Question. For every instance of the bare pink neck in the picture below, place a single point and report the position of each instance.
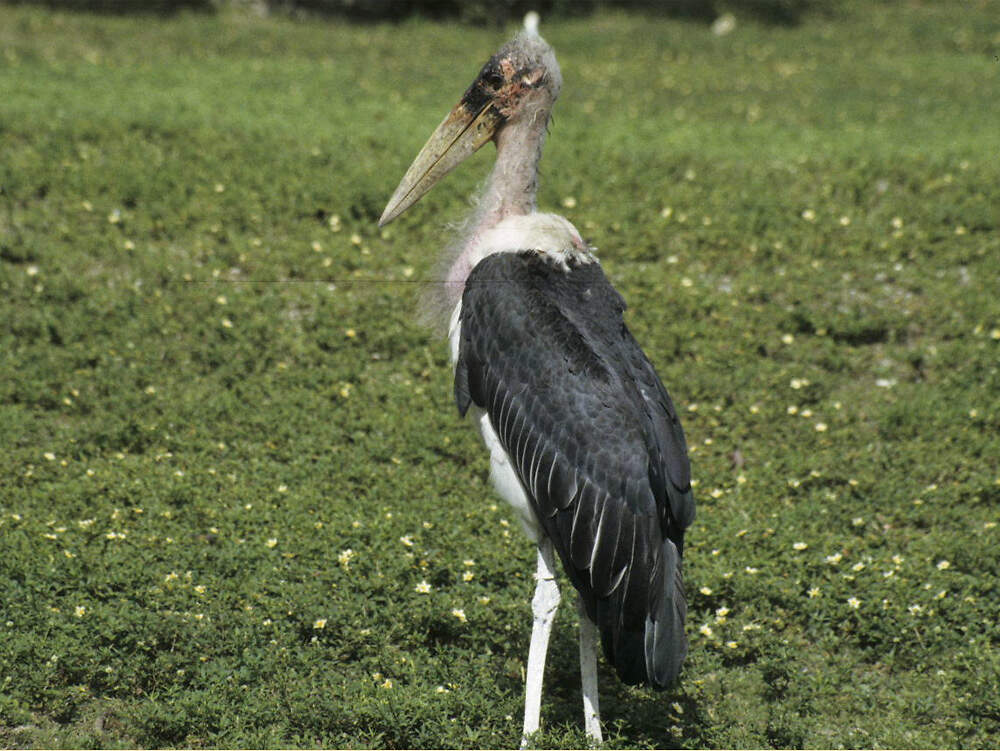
(510, 190)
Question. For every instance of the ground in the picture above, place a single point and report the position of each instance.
(237, 505)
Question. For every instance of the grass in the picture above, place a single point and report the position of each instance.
(231, 461)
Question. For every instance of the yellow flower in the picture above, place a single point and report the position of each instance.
(271, 542)
(80, 611)
(460, 614)
(319, 623)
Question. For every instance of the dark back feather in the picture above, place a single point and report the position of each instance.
(595, 441)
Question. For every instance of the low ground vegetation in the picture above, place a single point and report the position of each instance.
(237, 507)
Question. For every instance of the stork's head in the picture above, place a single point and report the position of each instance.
(517, 86)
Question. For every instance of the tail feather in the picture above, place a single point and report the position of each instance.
(666, 643)
(654, 650)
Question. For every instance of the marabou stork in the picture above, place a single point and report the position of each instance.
(584, 441)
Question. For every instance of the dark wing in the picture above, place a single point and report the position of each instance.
(595, 441)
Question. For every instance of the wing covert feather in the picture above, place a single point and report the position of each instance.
(594, 440)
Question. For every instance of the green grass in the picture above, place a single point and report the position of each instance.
(212, 383)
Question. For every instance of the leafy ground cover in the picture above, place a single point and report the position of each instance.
(237, 507)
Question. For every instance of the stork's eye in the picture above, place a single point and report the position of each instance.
(492, 78)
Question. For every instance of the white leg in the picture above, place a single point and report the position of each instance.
(543, 609)
(588, 676)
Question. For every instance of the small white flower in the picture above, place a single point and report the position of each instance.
(854, 602)
(422, 587)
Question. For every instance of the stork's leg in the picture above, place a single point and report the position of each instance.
(588, 676)
(543, 609)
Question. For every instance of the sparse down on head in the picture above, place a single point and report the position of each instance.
(518, 85)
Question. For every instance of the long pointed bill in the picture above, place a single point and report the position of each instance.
(461, 134)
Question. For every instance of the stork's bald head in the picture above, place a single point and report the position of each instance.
(521, 81)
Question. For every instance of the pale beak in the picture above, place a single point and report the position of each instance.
(461, 134)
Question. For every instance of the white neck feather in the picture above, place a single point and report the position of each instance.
(553, 237)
